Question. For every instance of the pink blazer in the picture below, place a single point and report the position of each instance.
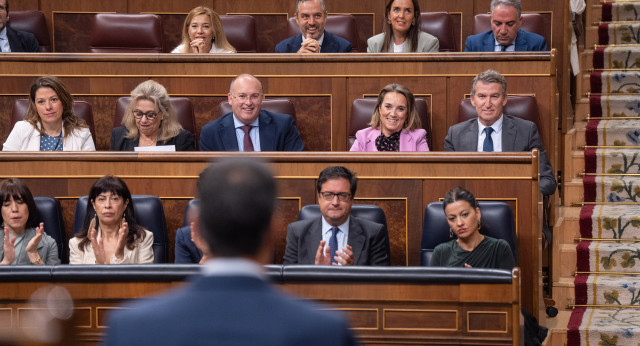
(409, 140)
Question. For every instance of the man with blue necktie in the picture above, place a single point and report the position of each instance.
(495, 131)
(505, 34)
(337, 237)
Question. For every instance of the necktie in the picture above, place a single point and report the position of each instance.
(488, 142)
(504, 47)
(333, 244)
(248, 145)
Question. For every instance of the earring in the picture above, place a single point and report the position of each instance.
(450, 233)
(388, 21)
(479, 225)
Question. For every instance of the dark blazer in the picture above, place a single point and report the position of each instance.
(278, 132)
(517, 135)
(184, 141)
(226, 310)
(485, 42)
(369, 241)
(330, 44)
(186, 250)
(22, 41)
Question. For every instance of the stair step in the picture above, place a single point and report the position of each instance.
(557, 335)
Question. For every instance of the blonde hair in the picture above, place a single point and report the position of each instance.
(156, 93)
(70, 121)
(412, 122)
(219, 38)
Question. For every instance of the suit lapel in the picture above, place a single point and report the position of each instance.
(328, 44)
(490, 43)
(470, 136)
(355, 239)
(509, 133)
(227, 133)
(314, 238)
(406, 141)
(521, 42)
(267, 132)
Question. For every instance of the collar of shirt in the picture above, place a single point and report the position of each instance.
(496, 135)
(320, 40)
(498, 46)
(254, 133)
(342, 236)
(228, 266)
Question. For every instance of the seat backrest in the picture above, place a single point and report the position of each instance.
(440, 25)
(126, 33)
(190, 205)
(182, 106)
(531, 22)
(282, 106)
(362, 110)
(365, 211)
(50, 214)
(520, 106)
(82, 109)
(343, 25)
(240, 30)
(149, 214)
(497, 222)
(33, 22)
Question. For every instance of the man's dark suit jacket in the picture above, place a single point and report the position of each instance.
(330, 44)
(485, 42)
(369, 241)
(22, 41)
(226, 310)
(184, 141)
(278, 132)
(186, 250)
(517, 135)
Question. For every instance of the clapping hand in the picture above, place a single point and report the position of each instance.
(9, 250)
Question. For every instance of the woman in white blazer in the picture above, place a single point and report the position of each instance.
(401, 32)
(51, 124)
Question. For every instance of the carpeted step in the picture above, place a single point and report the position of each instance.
(606, 289)
(619, 33)
(618, 132)
(612, 160)
(615, 82)
(608, 256)
(612, 189)
(621, 57)
(610, 221)
(620, 11)
(604, 326)
(622, 105)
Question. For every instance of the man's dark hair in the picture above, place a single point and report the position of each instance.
(335, 172)
(237, 200)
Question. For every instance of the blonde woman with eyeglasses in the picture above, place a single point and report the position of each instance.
(150, 121)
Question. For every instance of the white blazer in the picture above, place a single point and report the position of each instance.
(25, 137)
(142, 253)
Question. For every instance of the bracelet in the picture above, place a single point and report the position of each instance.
(38, 261)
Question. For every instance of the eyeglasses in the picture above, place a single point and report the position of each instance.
(342, 196)
(150, 114)
(245, 97)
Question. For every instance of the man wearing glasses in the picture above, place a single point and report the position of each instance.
(248, 127)
(337, 238)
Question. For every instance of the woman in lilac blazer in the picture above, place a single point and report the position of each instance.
(395, 125)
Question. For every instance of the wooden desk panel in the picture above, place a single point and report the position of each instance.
(402, 184)
(322, 88)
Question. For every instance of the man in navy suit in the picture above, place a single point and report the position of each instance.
(232, 302)
(337, 237)
(248, 127)
(311, 17)
(14, 40)
(505, 34)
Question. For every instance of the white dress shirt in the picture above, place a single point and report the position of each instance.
(496, 135)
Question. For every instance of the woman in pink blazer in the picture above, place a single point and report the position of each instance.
(395, 125)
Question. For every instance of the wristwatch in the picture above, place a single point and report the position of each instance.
(38, 261)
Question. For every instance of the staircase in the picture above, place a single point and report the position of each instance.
(596, 282)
